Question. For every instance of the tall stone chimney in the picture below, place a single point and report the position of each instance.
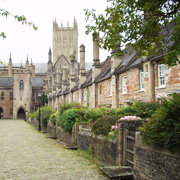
(27, 64)
(64, 78)
(82, 75)
(32, 68)
(96, 69)
(72, 71)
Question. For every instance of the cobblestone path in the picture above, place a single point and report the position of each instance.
(26, 154)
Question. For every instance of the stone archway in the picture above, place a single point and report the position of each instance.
(1, 112)
(21, 114)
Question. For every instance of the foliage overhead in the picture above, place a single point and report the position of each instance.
(140, 23)
(22, 19)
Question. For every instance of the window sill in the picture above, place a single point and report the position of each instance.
(123, 94)
(141, 91)
(163, 87)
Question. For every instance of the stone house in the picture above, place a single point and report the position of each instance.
(118, 81)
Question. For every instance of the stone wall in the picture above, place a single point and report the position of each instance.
(152, 163)
(106, 150)
(51, 129)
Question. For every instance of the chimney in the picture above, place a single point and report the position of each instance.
(64, 78)
(82, 75)
(116, 59)
(72, 71)
(96, 69)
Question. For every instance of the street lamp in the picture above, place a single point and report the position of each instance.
(39, 97)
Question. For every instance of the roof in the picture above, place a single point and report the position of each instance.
(36, 82)
(6, 81)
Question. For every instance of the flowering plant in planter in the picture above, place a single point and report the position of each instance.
(130, 118)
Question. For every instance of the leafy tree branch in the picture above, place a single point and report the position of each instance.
(148, 25)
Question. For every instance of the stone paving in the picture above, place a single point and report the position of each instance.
(26, 154)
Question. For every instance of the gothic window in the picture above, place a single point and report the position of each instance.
(71, 39)
(141, 79)
(161, 75)
(11, 95)
(124, 85)
(2, 95)
(21, 85)
(64, 39)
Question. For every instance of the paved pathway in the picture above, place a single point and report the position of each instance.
(26, 154)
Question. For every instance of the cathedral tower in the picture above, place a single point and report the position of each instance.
(65, 41)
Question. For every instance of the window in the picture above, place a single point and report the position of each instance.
(21, 85)
(2, 95)
(161, 75)
(141, 79)
(11, 95)
(124, 85)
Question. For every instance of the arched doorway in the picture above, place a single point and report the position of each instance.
(1, 113)
(21, 114)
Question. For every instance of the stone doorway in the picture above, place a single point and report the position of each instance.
(21, 114)
(1, 113)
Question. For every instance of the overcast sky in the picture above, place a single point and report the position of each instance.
(23, 40)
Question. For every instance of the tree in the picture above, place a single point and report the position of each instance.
(22, 19)
(44, 99)
(140, 23)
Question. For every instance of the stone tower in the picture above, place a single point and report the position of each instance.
(65, 41)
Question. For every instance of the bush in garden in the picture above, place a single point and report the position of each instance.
(144, 109)
(164, 127)
(46, 111)
(68, 119)
(103, 124)
(35, 114)
(53, 118)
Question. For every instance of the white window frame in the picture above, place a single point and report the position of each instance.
(142, 79)
(124, 85)
(161, 75)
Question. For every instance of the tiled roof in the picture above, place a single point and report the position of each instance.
(36, 82)
(6, 81)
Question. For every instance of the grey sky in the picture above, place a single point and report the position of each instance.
(23, 40)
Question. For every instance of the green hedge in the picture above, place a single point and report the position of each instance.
(164, 127)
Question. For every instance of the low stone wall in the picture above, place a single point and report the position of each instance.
(105, 149)
(33, 121)
(51, 129)
(156, 163)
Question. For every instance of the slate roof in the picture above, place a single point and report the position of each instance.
(6, 81)
(36, 82)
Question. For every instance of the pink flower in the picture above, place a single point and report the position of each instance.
(114, 127)
(99, 106)
(107, 110)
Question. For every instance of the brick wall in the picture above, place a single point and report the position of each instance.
(6, 104)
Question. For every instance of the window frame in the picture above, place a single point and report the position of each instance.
(21, 85)
(141, 79)
(2, 95)
(161, 75)
(124, 85)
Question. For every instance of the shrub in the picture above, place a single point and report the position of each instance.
(46, 111)
(35, 115)
(67, 119)
(164, 127)
(103, 124)
(53, 118)
(144, 109)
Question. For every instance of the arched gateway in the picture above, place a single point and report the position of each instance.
(1, 113)
(21, 114)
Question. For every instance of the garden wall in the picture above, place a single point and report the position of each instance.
(152, 163)
(106, 150)
(33, 121)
